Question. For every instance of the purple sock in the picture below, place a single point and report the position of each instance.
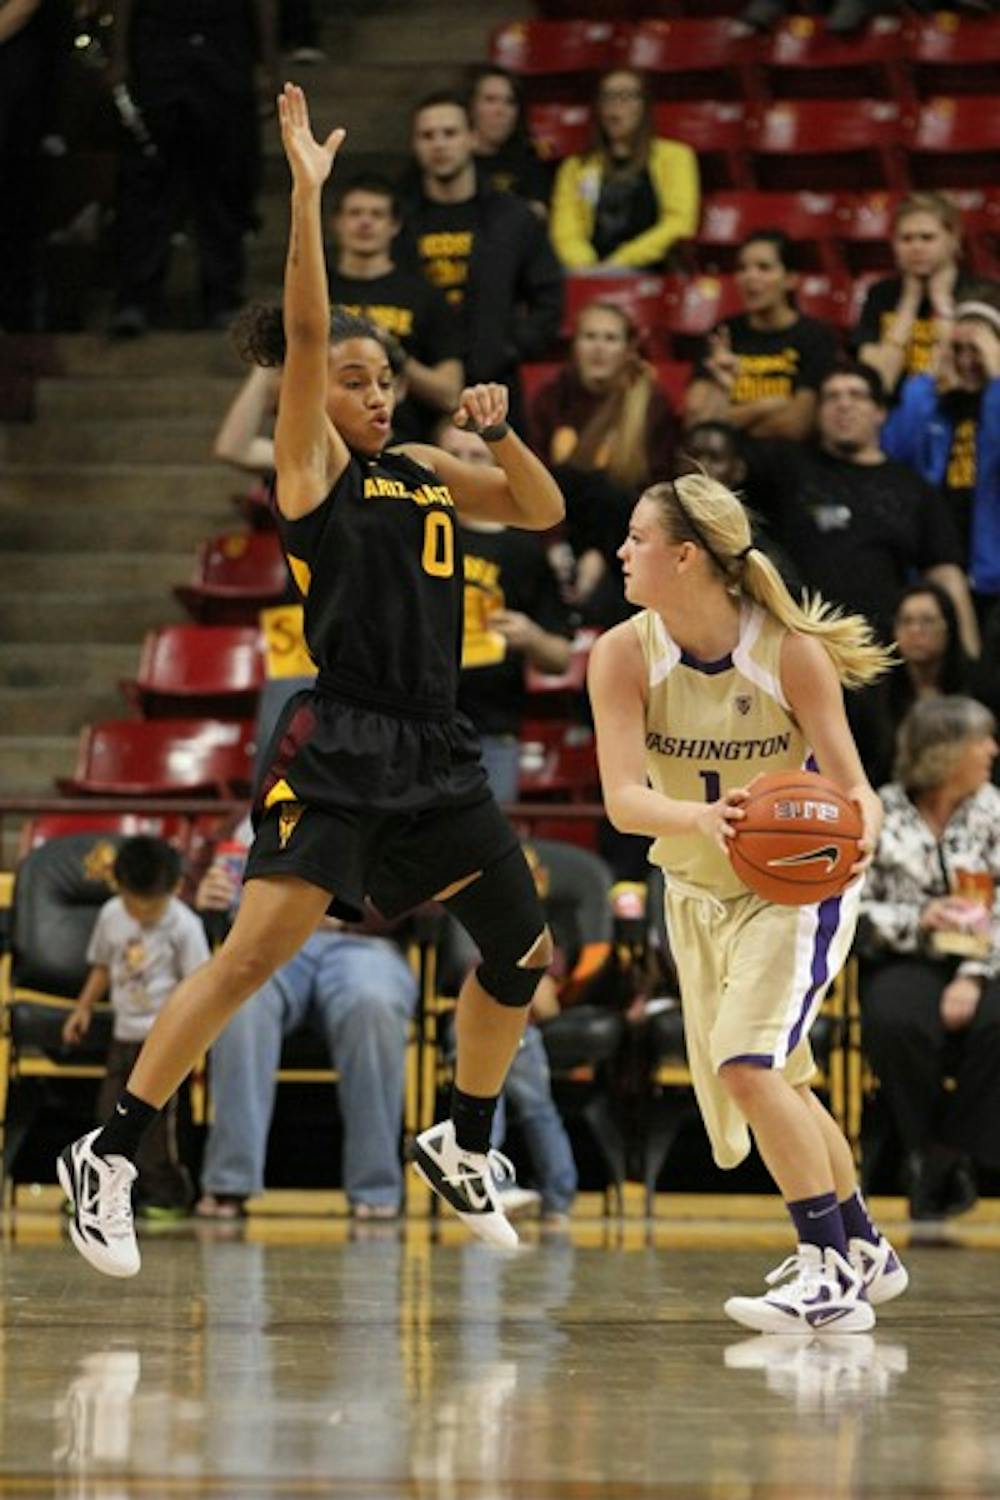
(818, 1222)
(857, 1221)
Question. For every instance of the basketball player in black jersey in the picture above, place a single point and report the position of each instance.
(374, 786)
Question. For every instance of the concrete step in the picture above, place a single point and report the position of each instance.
(162, 353)
(106, 440)
(58, 528)
(196, 487)
(144, 574)
(80, 398)
(57, 710)
(92, 615)
(34, 665)
(29, 764)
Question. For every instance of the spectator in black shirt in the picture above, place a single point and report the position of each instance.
(857, 526)
(906, 316)
(506, 158)
(514, 618)
(367, 282)
(761, 369)
(487, 252)
(932, 662)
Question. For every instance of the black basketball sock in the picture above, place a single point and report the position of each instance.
(123, 1132)
(473, 1118)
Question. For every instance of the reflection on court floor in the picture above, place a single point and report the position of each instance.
(392, 1362)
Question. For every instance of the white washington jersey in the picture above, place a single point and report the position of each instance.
(713, 726)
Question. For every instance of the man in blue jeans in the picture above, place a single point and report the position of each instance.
(360, 993)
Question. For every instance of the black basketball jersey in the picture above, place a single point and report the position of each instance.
(379, 566)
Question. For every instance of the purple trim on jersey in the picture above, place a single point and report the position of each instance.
(811, 763)
(829, 921)
(710, 668)
(755, 1059)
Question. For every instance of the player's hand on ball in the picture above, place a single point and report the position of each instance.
(871, 821)
(480, 407)
(719, 820)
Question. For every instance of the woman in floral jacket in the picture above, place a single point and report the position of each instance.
(931, 999)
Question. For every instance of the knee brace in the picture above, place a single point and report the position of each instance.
(502, 913)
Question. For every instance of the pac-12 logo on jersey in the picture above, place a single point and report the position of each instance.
(744, 703)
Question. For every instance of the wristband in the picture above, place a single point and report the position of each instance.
(493, 434)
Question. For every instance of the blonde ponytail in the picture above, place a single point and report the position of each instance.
(699, 509)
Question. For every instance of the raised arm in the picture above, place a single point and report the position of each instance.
(521, 492)
(240, 440)
(309, 453)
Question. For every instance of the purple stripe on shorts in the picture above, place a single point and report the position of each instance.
(755, 1059)
(829, 921)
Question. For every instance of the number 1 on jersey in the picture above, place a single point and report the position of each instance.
(713, 785)
(438, 557)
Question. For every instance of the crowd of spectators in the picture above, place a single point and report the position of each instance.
(871, 460)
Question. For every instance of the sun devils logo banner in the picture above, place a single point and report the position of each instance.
(743, 702)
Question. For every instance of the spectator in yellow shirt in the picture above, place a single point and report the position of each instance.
(633, 195)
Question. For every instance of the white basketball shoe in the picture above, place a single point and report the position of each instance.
(811, 1290)
(467, 1181)
(882, 1272)
(100, 1193)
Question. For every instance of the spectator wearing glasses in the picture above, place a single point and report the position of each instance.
(633, 195)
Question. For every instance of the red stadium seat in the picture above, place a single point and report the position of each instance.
(161, 757)
(953, 141)
(640, 295)
(951, 54)
(828, 144)
(554, 695)
(674, 376)
(718, 132)
(38, 830)
(559, 130)
(535, 375)
(711, 58)
(236, 574)
(694, 306)
(804, 60)
(199, 670)
(810, 219)
(532, 48)
(827, 298)
(558, 760)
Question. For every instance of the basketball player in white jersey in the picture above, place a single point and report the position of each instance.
(720, 677)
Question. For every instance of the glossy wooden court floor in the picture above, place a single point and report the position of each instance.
(298, 1359)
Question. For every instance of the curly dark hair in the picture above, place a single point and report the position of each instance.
(259, 335)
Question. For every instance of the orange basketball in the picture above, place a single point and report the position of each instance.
(799, 838)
